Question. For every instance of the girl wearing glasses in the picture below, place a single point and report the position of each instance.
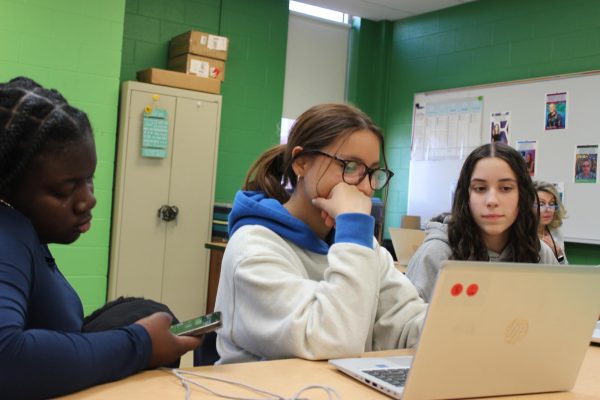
(491, 218)
(552, 213)
(302, 275)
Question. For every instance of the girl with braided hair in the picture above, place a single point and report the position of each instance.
(47, 163)
(491, 220)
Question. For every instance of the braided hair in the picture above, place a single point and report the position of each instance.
(34, 120)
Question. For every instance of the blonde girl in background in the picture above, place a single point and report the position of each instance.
(552, 211)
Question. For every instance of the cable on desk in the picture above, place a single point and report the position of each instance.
(186, 382)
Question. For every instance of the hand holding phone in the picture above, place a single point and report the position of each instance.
(166, 347)
(198, 326)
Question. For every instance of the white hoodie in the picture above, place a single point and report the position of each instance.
(285, 295)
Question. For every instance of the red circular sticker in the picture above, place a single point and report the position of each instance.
(456, 289)
(472, 289)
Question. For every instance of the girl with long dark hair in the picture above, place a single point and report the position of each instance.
(492, 218)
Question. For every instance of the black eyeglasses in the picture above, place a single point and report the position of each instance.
(548, 207)
(355, 171)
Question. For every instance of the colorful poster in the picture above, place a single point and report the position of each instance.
(499, 123)
(528, 149)
(556, 111)
(586, 163)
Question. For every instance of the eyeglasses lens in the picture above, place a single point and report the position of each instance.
(379, 178)
(353, 172)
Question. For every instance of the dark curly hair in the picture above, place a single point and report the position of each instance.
(34, 120)
(463, 232)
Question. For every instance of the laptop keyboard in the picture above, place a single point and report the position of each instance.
(393, 376)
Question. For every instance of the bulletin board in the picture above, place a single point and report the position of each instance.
(553, 121)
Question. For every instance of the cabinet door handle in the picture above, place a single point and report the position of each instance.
(168, 213)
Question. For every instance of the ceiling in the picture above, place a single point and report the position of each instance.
(392, 10)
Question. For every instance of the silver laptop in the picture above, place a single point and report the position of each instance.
(406, 242)
(494, 329)
(596, 334)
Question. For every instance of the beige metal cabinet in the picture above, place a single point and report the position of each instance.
(150, 257)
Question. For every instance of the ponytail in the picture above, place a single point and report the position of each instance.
(317, 128)
(270, 174)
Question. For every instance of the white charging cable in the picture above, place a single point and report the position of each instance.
(186, 381)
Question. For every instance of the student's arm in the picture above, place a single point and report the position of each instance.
(400, 312)
(40, 363)
(272, 309)
(425, 264)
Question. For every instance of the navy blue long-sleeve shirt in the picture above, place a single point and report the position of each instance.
(42, 350)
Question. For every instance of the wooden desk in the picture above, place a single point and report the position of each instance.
(286, 377)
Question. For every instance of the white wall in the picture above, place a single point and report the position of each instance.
(316, 64)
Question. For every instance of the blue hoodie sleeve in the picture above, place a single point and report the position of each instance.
(48, 361)
(355, 228)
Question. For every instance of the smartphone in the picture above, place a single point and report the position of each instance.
(198, 326)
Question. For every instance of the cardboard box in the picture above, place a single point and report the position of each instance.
(179, 80)
(199, 43)
(203, 67)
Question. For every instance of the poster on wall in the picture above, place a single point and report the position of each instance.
(446, 130)
(155, 132)
(528, 149)
(499, 124)
(586, 163)
(556, 111)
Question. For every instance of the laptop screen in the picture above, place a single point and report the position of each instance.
(489, 329)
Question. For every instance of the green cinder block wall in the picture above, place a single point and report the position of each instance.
(255, 68)
(480, 42)
(85, 49)
(368, 67)
(75, 47)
